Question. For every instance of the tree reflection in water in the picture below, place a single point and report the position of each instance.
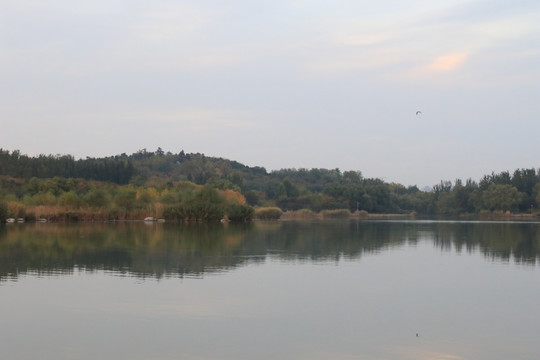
(159, 250)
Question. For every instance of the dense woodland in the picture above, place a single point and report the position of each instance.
(197, 187)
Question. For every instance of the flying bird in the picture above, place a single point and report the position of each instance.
(418, 112)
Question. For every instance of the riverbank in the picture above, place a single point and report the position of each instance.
(273, 213)
(364, 215)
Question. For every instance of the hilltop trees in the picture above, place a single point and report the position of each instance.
(116, 169)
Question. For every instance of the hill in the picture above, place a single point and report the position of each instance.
(288, 189)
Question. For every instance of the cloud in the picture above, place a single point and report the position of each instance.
(436, 69)
(448, 62)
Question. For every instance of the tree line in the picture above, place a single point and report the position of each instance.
(174, 185)
(117, 169)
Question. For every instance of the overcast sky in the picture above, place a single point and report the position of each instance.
(278, 84)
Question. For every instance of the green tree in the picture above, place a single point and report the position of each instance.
(352, 176)
(501, 197)
(69, 199)
(96, 198)
(446, 203)
(125, 199)
(462, 196)
(209, 195)
(253, 197)
(536, 193)
(42, 199)
(288, 189)
(223, 184)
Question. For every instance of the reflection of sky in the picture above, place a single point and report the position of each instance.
(462, 307)
(228, 79)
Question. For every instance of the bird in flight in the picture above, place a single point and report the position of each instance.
(418, 112)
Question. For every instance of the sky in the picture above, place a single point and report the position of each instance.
(278, 84)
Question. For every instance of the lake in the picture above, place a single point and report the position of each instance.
(434, 290)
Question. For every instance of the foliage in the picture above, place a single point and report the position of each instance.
(3, 210)
(501, 197)
(268, 213)
(237, 212)
(336, 214)
(194, 186)
(194, 211)
(302, 214)
(116, 169)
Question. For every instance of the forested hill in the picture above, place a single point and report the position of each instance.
(289, 189)
(121, 169)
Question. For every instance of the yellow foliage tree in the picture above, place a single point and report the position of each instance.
(233, 197)
(147, 195)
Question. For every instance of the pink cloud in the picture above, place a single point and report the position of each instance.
(448, 62)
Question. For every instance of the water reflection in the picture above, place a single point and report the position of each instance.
(193, 250)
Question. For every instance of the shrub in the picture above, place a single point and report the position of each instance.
(268, 213)
(194, 211)
(360, 214)
(236, 212)
(336, 214)
(302, 214)
(16, 210)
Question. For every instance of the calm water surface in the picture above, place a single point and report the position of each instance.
(281, 290)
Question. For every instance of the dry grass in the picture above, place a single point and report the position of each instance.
(268, 213)
(58, 213)
(302, 214)
(360, 215)
(336, 214)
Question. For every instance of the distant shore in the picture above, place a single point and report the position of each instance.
(277, 214)
(363, 215)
